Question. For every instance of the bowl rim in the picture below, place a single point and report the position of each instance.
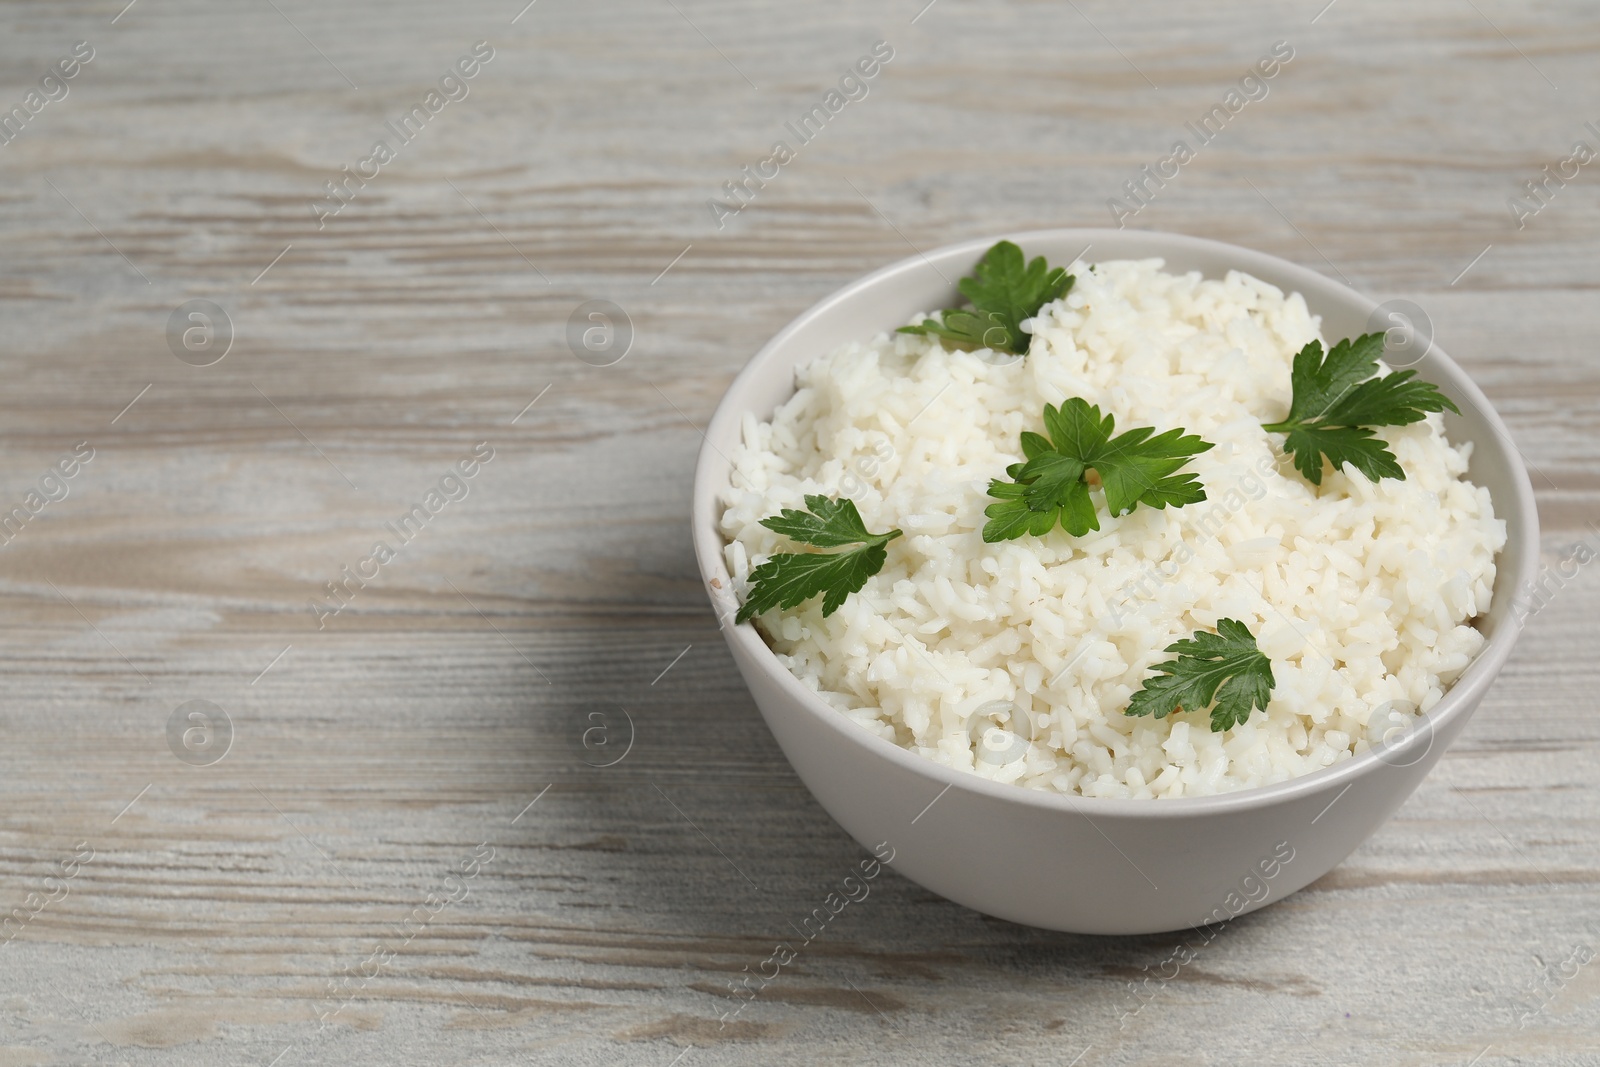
(1458, 701)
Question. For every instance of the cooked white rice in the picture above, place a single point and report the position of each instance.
(1016, 660)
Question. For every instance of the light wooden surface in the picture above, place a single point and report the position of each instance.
(375, 757)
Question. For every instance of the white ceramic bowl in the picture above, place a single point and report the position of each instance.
(1094, 865)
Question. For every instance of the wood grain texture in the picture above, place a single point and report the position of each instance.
(380, 753)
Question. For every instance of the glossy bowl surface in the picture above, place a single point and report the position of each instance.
(1092, 865)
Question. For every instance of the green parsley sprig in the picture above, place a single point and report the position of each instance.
(1004, 291)
(1337, 401)
(1136, 467)
(1225, 666)
(789, 578)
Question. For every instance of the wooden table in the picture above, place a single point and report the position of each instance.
(408, 852)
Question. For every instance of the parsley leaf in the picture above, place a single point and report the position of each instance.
(788, 578)
(1052, 484)
(1337, 401)
(829, 523)
(1003, 292)
(1225, 666)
